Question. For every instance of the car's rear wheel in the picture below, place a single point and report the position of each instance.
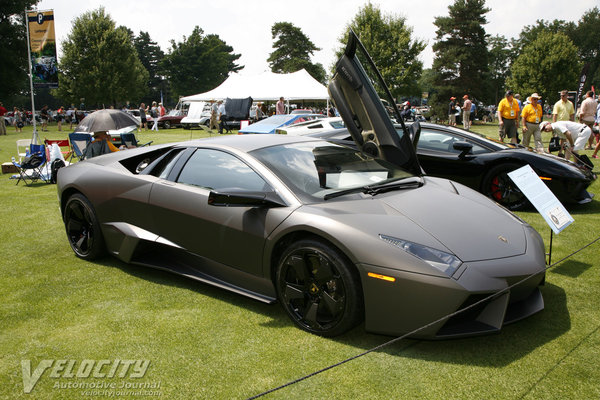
(83, 229)
(499, 187)
(167, 125)
(319, 288)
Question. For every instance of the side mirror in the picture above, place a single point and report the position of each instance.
(464, 147)
(237, 198)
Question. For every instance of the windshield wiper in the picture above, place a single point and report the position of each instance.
(373, 190)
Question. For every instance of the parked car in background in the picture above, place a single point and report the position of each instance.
(270, 125)
(172, 119)
(312, 126)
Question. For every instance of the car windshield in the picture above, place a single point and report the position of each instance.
(316, 170)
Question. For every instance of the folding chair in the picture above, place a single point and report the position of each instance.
(31, 168)
(23, 147)
(65, 146)
(79, 141)
(129, 140)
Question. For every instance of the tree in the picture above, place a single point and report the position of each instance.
(586, 37)
(150, 56)
(531, 32)
(500, 53)
(199, 63)
(99, 63)
(13, 47)
(461, 54)
(389, 42)
(293, 50)
(546, 66)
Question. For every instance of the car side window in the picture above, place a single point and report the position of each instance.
(218, 170)
(443, 142)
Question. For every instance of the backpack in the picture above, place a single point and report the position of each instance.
(32, 161)
(54, 167)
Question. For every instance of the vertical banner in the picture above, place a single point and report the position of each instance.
(582, 79)
(42, 41)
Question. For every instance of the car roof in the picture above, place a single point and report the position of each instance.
(247, 143)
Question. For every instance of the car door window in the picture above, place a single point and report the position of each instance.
(443, 142)
(218, 170)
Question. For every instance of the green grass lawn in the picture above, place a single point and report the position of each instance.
(203, 342)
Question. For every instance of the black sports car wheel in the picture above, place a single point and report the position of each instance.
(83, 229)
(167, 125)
(319, 289)
(499, 187)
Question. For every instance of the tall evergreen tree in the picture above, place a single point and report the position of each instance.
(586, 37)
(293, 50)
(13, 48)
(199, 63)
(150, 56)
(389, 42)
(461, 54)
(99, 63)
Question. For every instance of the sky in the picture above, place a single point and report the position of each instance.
(246, 25)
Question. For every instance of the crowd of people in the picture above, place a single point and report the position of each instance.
(512, 114)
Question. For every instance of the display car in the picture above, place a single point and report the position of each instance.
(274, 122)
(337, 234)
(483, 164)
(171, 119)
(323, 124)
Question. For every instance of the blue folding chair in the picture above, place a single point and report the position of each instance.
(79, 141)
(129, 140)
(31, 166)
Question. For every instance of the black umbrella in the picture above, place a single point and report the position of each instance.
(106, 120)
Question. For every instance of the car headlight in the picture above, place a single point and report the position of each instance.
(440, 260)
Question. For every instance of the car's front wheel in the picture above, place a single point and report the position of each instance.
(319, 288)
(83, 229)
(167, 125)
(499, 187)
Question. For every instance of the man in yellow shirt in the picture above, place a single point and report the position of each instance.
(532, 115)
(563, 109)
(508, 117)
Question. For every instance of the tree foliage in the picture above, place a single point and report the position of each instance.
(293, 50)
(150, 56)
(546, 66)
(13, 48)
(500, 60)
(389, 41)
(199, 63)
(461, 54)
(99, 63)
(586, 37)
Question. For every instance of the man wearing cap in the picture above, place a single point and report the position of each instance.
(575, 134)
(452, 112)
(508, 117)
(532, 117)
(466, 112)
(563, 109)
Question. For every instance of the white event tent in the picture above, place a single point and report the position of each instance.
(266, 86)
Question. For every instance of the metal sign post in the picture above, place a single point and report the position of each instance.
(35, 138)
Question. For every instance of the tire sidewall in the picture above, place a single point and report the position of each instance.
(97, 249)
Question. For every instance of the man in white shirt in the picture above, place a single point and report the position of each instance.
(222, 115)
(575, 134)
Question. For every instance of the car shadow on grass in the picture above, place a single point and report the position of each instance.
(512, 343)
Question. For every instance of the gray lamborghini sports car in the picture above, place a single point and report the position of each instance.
(338, 235)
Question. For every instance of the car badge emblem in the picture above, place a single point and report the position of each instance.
(503, 239)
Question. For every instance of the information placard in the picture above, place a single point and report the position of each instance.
(551, 209)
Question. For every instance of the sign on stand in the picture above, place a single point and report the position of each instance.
(545, 202)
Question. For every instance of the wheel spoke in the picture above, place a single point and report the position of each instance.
(310, 314)
(320, 269)
(76, 211)
(293, 292)
(333, 306)
(298, 265)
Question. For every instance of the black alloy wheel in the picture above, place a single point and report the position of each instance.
(167, 125)
(319, 288)
(83, 229)
(499, 187)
